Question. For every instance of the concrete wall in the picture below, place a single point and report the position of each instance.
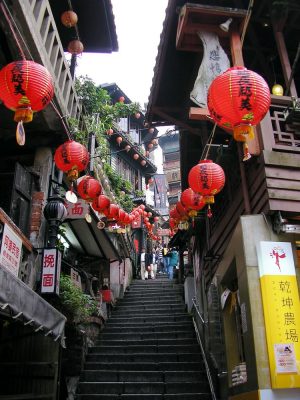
(241, 257)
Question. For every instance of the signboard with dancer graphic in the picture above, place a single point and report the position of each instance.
(281, 305)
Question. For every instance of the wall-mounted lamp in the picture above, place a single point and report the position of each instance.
(225, 25)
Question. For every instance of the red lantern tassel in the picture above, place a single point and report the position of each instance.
(247, 154)
(209, 212)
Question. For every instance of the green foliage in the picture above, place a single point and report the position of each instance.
(126, 202)
(139, 193)
(96, 100)
(73, 303)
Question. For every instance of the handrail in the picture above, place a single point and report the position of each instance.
(209, 377)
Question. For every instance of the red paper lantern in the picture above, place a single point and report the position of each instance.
(156, 219)
(192, 200)
(119, 140)
(237, 100)
(112, 212)
(101, 203)
(121, 99)
(175, 214)
(25, 87)
(150, 146)
(71, 157)
(75, 47)
(207, 179)
(143, 162)
(127, 147)
(121, 215)
(89, 188)
(181, 209)
(110, 131)
(69, 18)
(136, 156)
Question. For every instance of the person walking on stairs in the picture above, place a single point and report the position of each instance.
(173, 261)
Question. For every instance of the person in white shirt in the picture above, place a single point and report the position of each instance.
(143, 263)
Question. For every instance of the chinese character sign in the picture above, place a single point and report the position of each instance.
(11, 248)
(77, 210)
(51, 264)
(281, 305)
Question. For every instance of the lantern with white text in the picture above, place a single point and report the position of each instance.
(89, 188)
(237, 100)
(25, 87)
(207, 179)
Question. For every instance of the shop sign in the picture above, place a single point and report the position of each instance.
(75, 278)
(51, 264)
(11, 248)
(163, 232)
(281, 306)
(77, 210)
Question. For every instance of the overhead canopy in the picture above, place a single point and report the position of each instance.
(28, 306)
(87, 239)
(96, 24)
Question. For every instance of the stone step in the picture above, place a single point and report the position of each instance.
(149, 327)
(146, 366)
(146, 334)
(145, 310)
(176, 317)
(181, 396)
(137, 348)
(142, 387)
(146, 357)
(152, 288)
(147, 350)
(133, 302)
(142, 376)
(148, 303)
(143, 342)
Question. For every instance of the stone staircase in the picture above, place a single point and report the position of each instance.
(147, 350)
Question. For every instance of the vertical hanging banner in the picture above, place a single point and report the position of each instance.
(51, 264)
(281, 306)
(11, 249)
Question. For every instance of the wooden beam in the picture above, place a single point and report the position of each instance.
(199, 114)
(236, 48)
(285, 63)
(174, 121)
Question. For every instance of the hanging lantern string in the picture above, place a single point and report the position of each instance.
(208, 144)
(9, 20)
(66, 129)
(75, 26)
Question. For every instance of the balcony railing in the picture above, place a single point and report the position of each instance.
(46, 47)
(280, 133)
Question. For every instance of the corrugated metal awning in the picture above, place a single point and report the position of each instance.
(27, 306)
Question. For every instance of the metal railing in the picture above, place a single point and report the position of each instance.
(197, 315)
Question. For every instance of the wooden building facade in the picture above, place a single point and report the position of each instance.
(260, 199)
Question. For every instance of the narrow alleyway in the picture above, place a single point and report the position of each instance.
(148, 349)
